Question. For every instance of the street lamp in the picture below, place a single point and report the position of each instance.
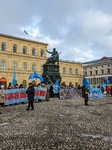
(94, 81)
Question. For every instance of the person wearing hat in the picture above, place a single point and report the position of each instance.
(30, 91)
(86, 91)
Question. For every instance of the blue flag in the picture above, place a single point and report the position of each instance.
(25, 32)
(41, 78)
(14, 78)
(35, 75)
(31, 76)
(84, 82)
(88, 84)
(108, 81)
(102, 84)
(56, 83)
(96, 92)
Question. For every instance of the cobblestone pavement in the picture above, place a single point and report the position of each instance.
(57, 125)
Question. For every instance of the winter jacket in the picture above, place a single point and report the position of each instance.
(108, 89)
(30, 92)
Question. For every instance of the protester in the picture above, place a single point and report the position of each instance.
(47, 93)
(102, 90)
(111, 91)
(16, 86)
(51, 91)
(30, 92)
(86, 90)
(21, 86)
(39, 85)
(83, 91)
(24, 86)
(1, 97)
(10, 86)
(108, 90)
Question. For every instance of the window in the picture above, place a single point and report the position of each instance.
(3, 46)
(24, 66)
(108, 65)
(70, 71)
(96, 72)
(76, 71)
(41, 68)
(41, 53)
(24, 50)
(14, 48)
(63, 70)
(76, 84)
(3, 64)
(96, 67)
(15, 65)
(102, 71)
(25, 82)
(85, 73)
(70, 84)
(33, 67)
(33, 82)
(91, 73)
(108, 70)
(102, 66)
(33, 51)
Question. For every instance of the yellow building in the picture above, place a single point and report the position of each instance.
(24, 56)
(71, 72)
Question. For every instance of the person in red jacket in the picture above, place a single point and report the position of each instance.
(108, 91)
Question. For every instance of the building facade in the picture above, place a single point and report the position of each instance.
(96, 71)
(71, 72)
(25, 56)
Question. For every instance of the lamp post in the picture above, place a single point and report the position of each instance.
(94, 81)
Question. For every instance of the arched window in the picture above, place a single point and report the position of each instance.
(14, 65)
(76, 71)
(63, 70)
(76, 84)
(33, 67)
(70, 71)
(41, 53)
(41, 68)
(33, 82)
(14, 48)
(70, 84)
(3, 64)
(25, 82)
(33, 51)
(24, 50)
(3, 46)
(24, 66)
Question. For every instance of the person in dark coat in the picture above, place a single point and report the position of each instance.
(111, 91)
(102, 90)
(83, 92)
(30, 92)
(86, 91)
(51, 91)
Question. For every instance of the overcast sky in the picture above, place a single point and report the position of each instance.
(80, 29)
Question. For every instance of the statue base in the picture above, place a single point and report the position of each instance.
(51, 73)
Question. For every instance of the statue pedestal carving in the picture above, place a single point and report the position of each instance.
(51, 73)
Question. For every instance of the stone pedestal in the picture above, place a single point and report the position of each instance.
(51, 73)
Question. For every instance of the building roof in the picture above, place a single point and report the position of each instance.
(99, 61)
(104, 57)
(23, 39)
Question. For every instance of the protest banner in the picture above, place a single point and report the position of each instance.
(19, 95)
(70, 93)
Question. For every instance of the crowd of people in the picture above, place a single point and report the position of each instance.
(50, 92)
